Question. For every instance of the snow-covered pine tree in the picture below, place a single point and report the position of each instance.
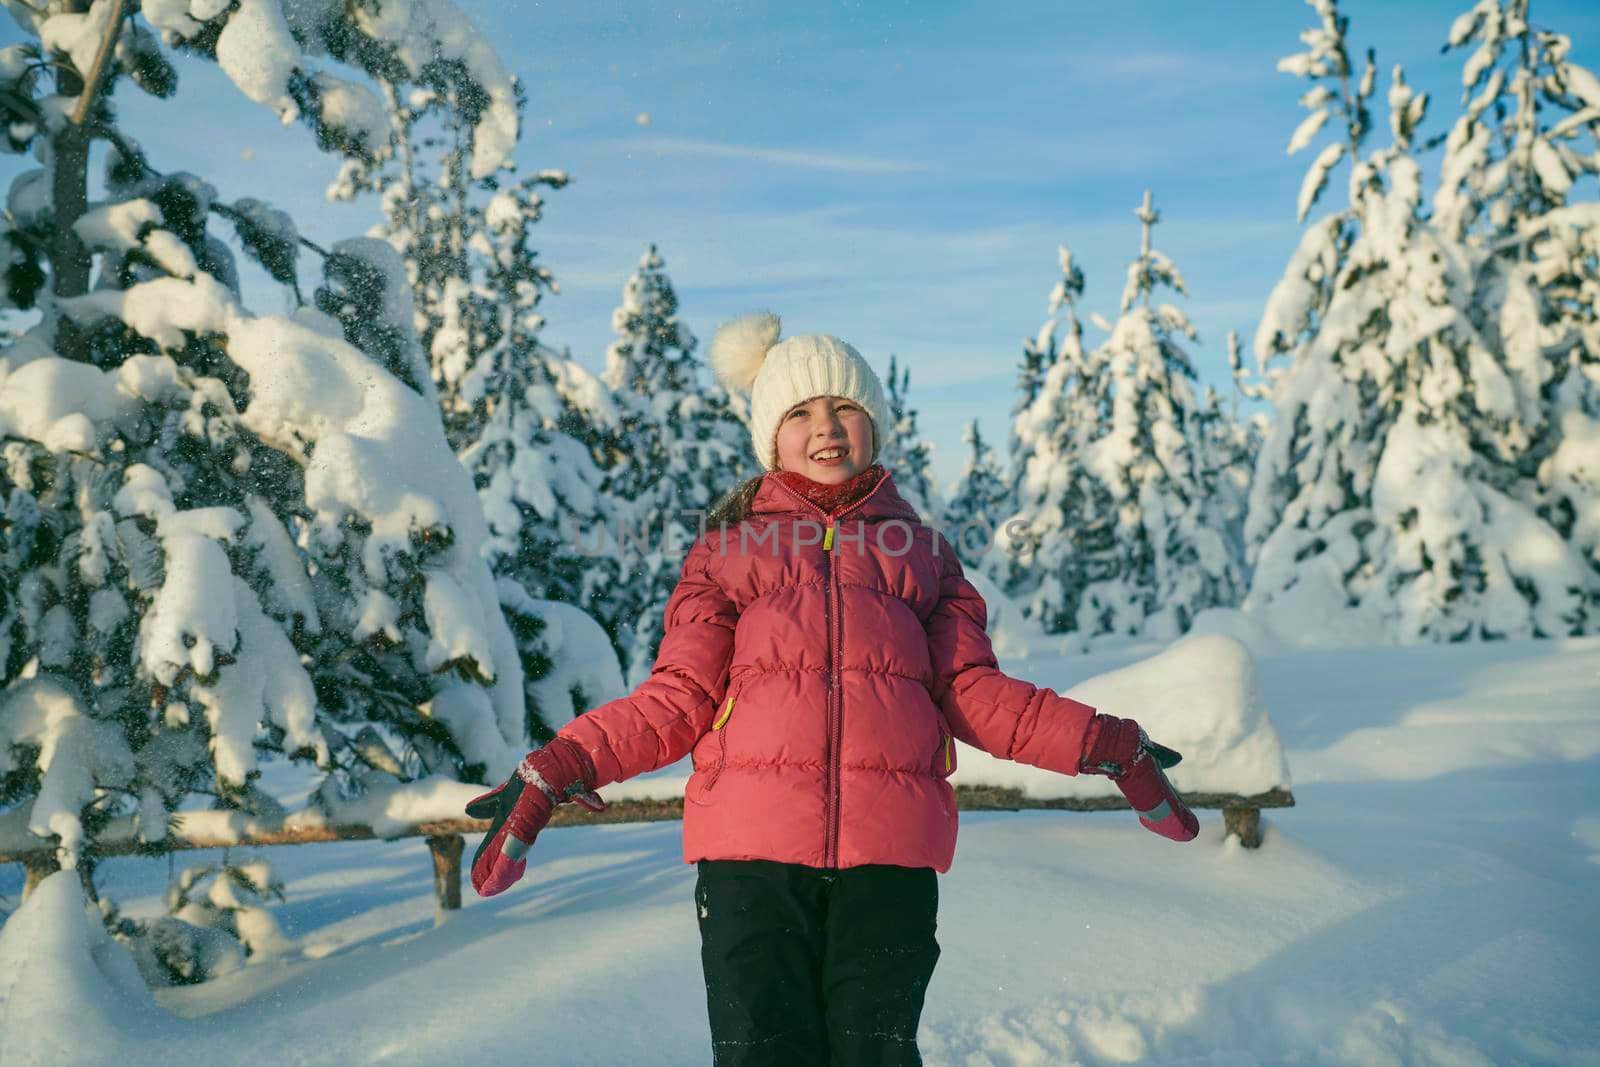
(1039, 352)
(1506, 187)
(550, 544)
(1510, 156)
(533, 426)
(980, 502)
(684, 448)
(1374, 515)
(906, 454)
(463, 237)
(1060, 536)
(366, 292)
(1230, 444)
(172, 465)
(1170, 554)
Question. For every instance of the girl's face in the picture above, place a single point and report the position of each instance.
(828, 439)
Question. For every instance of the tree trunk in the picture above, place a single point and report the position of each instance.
(37, 868)
(69, 196)
(70, 261)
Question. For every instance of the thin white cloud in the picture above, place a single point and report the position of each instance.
(1181, 70)
(788, 157)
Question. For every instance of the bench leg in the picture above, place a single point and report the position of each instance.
(1246, 823)
(446, 850)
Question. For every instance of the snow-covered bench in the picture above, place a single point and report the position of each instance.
(389, 809)
(201, 830)
(1198, 696)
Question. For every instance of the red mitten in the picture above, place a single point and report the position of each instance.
(1160, 808)
(521, 807)
(1110, 745)
(1119, 749)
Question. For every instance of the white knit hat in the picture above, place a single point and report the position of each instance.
(747, 357)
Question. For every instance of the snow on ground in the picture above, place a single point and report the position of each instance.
(1429, 901)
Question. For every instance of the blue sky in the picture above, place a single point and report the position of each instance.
(898, 174)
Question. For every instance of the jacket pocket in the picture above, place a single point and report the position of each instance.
(719, 726)
(944, 760)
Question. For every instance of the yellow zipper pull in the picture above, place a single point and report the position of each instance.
(947, 752)
(827, 540)
(727, 709)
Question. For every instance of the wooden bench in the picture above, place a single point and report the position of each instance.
(446, 840)
(1241, 815)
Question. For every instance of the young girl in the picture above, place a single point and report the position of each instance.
(821, 651)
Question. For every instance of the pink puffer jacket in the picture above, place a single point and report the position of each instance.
(818, 670)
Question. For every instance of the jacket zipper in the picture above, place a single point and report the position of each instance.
(836, 699)
(835, 695)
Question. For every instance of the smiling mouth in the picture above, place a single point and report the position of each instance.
(831, 453)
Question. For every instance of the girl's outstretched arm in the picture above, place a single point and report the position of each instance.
(660, 721)
(1016, 720)
(988, 709)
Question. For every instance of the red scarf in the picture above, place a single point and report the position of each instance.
(834, 498)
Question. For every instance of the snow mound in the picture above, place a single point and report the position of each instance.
(68, 993)
(1246, 629)
(391, 806)
(1199, 696)
(1422, 712)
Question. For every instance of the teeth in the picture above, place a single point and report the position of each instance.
(829, 453)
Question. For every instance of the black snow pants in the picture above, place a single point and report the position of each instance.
(815, 967)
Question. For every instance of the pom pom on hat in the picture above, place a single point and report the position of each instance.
(740, 347)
